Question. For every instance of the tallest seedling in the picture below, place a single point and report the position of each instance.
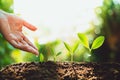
(96, 43)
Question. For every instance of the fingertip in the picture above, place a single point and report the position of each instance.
(29, 26)
(33, 51)
(34, 29)
(36, 53)
(35, 48)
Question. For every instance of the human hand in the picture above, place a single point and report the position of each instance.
(11, 28)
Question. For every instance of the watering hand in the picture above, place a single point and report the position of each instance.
(11, 28)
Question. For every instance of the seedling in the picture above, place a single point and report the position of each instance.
(71, 49)
(56, 55)
(41, 57)
(96, 43)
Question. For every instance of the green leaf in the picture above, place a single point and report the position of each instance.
(75, 47)
(67, 46)
(84, 39)
(41, 57)
(98, 42)
(58, 53)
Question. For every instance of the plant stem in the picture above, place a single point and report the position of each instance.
(90, 55)
(54, 58)
(71, 57)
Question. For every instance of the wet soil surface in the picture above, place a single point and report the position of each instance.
(61, 71)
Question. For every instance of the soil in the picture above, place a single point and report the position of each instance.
(61, 71)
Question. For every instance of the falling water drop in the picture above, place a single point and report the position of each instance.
(36, 55)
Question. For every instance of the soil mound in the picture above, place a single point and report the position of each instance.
(61, 71)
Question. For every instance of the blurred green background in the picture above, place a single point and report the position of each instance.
(108, 24)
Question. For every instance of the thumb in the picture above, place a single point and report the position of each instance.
(29, 26)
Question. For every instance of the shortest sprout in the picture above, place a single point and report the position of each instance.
(56, 55)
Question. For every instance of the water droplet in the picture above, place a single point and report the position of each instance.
(36, 55)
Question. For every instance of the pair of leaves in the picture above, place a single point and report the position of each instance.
(71, 49)
(96, 43)
(55, 53)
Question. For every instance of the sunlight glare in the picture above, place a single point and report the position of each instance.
(56, 18)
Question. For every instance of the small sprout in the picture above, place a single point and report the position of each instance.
(41, 56)
(71, 49)
(56, 55)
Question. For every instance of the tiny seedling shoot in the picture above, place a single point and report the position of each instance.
(55, 56)
(95, 44)
(71, 49)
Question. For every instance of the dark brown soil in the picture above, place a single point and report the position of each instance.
(61, 71)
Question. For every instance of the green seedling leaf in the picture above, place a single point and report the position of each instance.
(84, 39)
(98, 42)
(67, 46)
(58, 53)
(41, 57)
(75, 46)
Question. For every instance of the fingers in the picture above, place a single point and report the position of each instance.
(28, 48)
(30, 43)
(23, 45)
(29, 26)
(14, 43)
(27, 41)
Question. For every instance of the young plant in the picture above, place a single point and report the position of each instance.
(55, 55)
(71, 49)
(96, 43)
